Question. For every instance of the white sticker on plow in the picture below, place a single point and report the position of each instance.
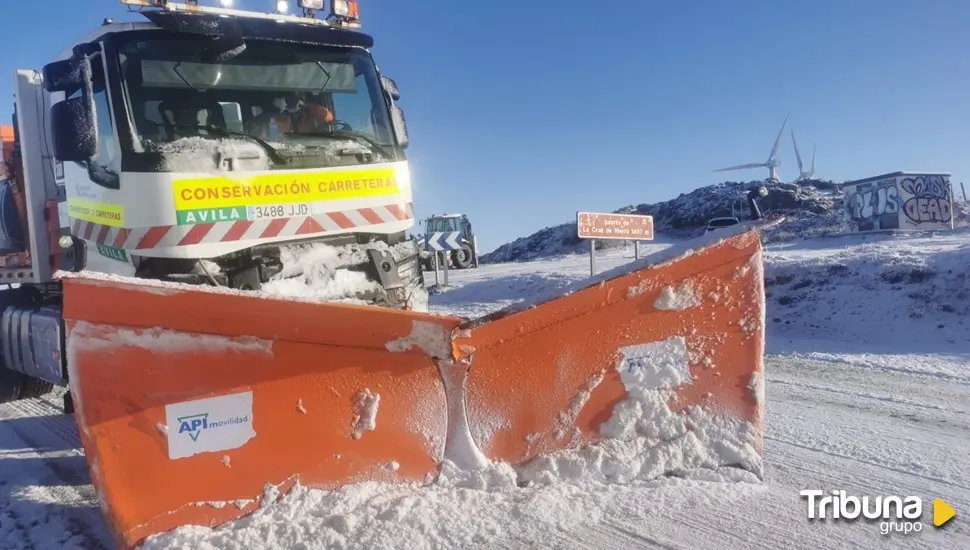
(211, 424)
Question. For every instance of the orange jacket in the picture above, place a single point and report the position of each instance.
(6, 142)
(313, 116)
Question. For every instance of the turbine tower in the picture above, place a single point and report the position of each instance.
(771, 164)
(803, 175)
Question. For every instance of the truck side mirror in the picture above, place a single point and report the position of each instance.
(61, 76)
(397, 114)
(400, 126)
(390, 87)
(75, 136)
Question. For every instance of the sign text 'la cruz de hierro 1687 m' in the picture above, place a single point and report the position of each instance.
(596, 225)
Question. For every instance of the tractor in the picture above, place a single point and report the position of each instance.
(439, 227)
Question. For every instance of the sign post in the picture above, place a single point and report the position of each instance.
(442, 241)
(444, 267)
(623, 227)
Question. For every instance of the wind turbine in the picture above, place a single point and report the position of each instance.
(771, 164)
(803, 174)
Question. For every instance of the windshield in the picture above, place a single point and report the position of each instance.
(436, 225)
(723, 222)
(301, 105)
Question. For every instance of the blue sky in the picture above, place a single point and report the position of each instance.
(522, 117)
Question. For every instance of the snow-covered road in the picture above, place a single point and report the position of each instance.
(858, 412)
(46, 497)
(829, 426)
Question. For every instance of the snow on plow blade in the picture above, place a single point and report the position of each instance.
(663, 359)
(238, 397)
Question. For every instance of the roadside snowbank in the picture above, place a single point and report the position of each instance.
(870, 290)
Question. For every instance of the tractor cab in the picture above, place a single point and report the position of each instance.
(444, 224)
(457, 223)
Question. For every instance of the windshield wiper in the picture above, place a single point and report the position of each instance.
(375, 146)
(273, 154)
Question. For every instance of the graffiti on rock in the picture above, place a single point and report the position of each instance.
(930, 200)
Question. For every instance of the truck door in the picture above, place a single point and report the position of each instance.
(43, 176)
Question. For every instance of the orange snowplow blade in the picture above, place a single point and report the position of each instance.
(293, 389)
(548, 377)
(238, 396)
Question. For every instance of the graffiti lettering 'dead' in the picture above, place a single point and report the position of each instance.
(930, 200)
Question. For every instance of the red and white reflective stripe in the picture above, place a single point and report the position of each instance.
(162, 236)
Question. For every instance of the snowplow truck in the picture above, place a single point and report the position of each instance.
(207, 150)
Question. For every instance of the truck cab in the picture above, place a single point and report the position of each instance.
(218, 134)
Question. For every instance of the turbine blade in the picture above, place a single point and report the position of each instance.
(797, 156)
(774, 150)
(814, 149)
(742, 166)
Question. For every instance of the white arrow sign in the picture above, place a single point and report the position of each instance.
(451, 240)
(444, 241)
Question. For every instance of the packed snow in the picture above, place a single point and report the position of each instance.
(310, 273)
(866, 389)
(366, 404)
(195, 154)
(678, 298)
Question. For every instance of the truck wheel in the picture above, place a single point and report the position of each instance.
(15, 386)
(34, 387)
(463, 257)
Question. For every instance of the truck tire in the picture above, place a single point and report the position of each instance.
(463, 257)
(15, 386)
(34, 387)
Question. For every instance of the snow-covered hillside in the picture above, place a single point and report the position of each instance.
(811, 208)
(913, 291)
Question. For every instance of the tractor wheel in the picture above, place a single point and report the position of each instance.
(463, 257)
